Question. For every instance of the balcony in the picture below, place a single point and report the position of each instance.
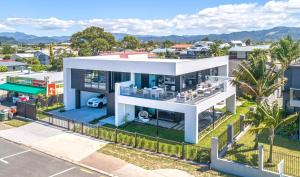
(212, 86)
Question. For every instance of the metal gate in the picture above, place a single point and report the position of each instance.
(26, 109)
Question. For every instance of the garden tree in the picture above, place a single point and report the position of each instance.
(7, 50)
(3, 69)
(171, 55)
(51, 56)
(41, 46)
(285, 51)
(167, 44)
(257, 78)
(92, 41)
(215, 49)
(7, 57)
(38, 67)
(149, 45)
(248, 42)
(130, 42)
(30, 61)
(272, 119)
(57, 64)
(205, 39)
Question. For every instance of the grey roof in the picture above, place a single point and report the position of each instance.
(12, 63)
(249, 48)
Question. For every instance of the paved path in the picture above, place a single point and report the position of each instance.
(121, 168)
(20, 161)
(54, 141)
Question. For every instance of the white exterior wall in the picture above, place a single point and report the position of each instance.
(69, 93)
(190, 111)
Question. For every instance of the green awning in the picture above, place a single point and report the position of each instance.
(22, 88)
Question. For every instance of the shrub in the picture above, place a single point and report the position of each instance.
(3, 69)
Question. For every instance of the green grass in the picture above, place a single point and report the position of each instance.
(51, 108)
(150, 130)
(16, 122)
(283, 148)
(244, 108)
(96, 120)
(151, 161)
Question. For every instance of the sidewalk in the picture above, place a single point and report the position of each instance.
(121, 168)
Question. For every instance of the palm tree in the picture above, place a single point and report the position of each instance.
(255, 119)
(285, 51)
(273, 118)
(257, 78)
(215, 49)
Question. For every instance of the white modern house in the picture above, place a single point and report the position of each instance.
(172, 91)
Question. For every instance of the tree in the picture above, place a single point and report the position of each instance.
(57, 64)
(130, 42)
(51, 53)
(273, 118)
(205, 39)
(7, 57)
(285, 51)
(167, 44)
(92, 41)
(248, 42)
(258, 79)
(7, 50)
(215, 49)
(149, 45)
(3, 69)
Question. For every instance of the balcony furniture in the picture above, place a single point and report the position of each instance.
(134, 90)
(146, 92)
(144, 116)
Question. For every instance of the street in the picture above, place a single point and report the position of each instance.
(19, 161)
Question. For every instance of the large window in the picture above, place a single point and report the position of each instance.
(95, 79)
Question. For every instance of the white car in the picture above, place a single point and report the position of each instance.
(97, 102)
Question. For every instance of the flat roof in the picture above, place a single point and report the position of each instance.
(249, 48)
(11, 63)
(149, 66)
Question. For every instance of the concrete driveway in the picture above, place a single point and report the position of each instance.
(85, 114)
(51, 140)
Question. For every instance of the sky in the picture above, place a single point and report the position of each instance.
(146, 17)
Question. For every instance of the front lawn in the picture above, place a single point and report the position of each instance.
(150, 130)
(152, 161)
(16, 122)
(243, 109)
(283, 148)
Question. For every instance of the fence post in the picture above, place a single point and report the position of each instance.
(74, 126)
(214, 153)
(260, 157)
(82, 128)
(135, 139)
(68, 124)
(242, 123)
(157, 144)
(182, 150)
(116, 135)
(49, 119)
(230, 134)
(98, 131)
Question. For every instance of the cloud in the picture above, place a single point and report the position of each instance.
(4, 27)
(42, 24)
(219, 19)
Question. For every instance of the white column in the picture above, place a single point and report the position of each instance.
(69, 93)
(132, 77)
(214, 153)
(191, 126)
(231, 104)
(260, 157)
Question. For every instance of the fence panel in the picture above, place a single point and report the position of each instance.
(196, 153)
(236, 128)
(126, 138)
(291, 162)
(90, 130)
(171, 148)
(146, 142)
(223, 140)
(244, 155)
(107, 134)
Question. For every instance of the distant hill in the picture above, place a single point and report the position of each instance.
(258, 36)
(8, 40)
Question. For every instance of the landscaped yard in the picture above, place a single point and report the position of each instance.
(16, 122)
(283, 148)
(244, 108)
(151, 130)
(152, 161)
(40, 111)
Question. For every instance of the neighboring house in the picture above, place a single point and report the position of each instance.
(43, 56)
(13, 65)
(237, 54)
(236, 43)
(21, 56)
(172, 91)
(181, 47)
(291, 92)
